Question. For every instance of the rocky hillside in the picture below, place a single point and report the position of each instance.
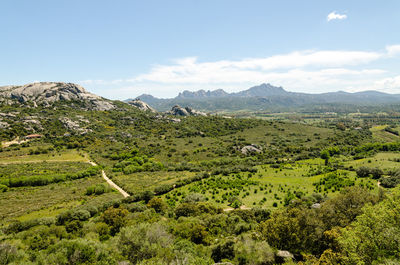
(47, 93)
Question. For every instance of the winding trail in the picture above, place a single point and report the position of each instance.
(110, 182)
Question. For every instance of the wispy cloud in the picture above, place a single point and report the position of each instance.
(190, 70)
(335, 16)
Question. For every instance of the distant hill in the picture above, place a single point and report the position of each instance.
(266, 97)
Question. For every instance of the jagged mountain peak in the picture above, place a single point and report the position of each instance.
(263, 90)
(202, 93)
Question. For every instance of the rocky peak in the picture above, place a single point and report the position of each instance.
(263, 90)
(45, 93)
(202, 94)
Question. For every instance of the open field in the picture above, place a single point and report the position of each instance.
(22, 169)
(379, 134)
(141, 181)
(52, 198)
(384, 161)
(49, 200)
(65, 156)
(268, 187)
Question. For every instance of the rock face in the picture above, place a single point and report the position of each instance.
(179, 111)
(73, 126)
(248, 149)
(141, 105)
(284, 256)
(45, 93)
(4, 125)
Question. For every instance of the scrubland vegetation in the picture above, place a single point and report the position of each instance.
(314, 190)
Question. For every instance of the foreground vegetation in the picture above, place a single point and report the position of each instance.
(203, 190)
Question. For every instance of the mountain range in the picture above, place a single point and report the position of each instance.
(266, 97)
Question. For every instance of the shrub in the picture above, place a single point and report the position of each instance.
(116, 218)
(97, 189)
(77, 251)
(9, 254)
(157, 204)
(186, 209)
(224, 250)
(3, 188)
(136, 207)
(143, 241)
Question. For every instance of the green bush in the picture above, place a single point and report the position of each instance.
(97, 189)
(45, 180)
(3, 188)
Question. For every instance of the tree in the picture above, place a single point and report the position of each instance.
(115, 218)
(250, 251)
(282, 230)
(375, 235)
(186, 209)
(363, 172)
(224, 250)
(157, 204)
(325, 155)
(376, 173)
(143, 241)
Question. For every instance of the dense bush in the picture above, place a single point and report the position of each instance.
(116, 218)
(97, 189)
(3, 188)
(41, 180)
(143, 241)
(364, 172)
(392, 180)
(132, 162)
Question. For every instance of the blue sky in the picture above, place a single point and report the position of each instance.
(120, 49)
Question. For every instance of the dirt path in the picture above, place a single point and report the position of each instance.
(110, 182)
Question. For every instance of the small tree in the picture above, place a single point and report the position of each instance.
(158, 205)
(363, 172)
(325, 155)
(115, 218)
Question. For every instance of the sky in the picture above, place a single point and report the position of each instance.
(121, 49)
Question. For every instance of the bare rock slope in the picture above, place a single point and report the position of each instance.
(141, 105)
(45, 93)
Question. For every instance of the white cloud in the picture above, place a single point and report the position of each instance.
(393, 50)
(391, 84)
(303, 71)
(333, 16)
(189, 70)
